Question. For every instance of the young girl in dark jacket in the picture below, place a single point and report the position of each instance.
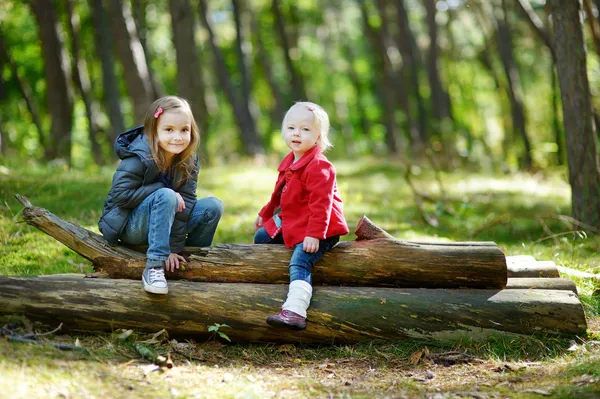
(305, 211)
(153, 195)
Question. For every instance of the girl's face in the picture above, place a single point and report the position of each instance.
(300, 132)
(174, 132)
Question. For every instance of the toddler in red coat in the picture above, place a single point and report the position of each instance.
(305, 211)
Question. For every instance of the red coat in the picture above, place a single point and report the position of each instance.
(310, 203)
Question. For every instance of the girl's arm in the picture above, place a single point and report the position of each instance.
(127, 190)
(188, 193)
(320, 183)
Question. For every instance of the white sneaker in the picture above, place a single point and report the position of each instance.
(154, 280)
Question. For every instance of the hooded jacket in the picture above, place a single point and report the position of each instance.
(136, 177)
(306, 191)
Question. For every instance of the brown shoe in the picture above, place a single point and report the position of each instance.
(287, 318)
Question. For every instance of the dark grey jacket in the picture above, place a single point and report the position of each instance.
(137, 176)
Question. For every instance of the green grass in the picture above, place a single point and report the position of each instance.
(521, 213)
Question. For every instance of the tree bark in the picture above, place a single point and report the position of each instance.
(59, 96)
(110, 88)
(541, 283)
(131, 54)
(190, 82)
(580, 129)
(545, 269)
(82, 82)
(246, 124)
(381, 261)
(337, 314)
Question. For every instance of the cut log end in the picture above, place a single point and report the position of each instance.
(367, 230)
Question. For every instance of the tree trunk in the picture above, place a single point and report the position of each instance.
(131, 54)
(82, 82)
(515, 93)
(3, 135)
(138, 12)
(399, 76)
(295, 76)
(580, 129)
(110, 88)
(59, 96)
(241, 43)
(407, 45)
(440, 101)
(190, 82)
(278, 109)
(376, 259)
(541, 283)
(386, 84)
(241, 112)
(556, 123)
(337, 314)
(25, 90)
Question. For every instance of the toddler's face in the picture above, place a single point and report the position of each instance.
(174, 131)
(300, 131)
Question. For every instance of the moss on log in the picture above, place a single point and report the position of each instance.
(337, 314)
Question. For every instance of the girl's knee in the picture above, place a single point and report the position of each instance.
(166, 197)
(215, 207)
(261, 236)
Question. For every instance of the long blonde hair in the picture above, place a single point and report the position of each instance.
(183, 164)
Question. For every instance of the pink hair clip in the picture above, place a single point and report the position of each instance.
(310, 109)
(158, 112)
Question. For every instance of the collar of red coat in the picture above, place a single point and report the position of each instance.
(288, 161)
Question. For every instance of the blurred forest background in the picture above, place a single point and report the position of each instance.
(477, 84)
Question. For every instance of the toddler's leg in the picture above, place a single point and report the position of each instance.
(150, 223)
(261, 237)
(203, 222)
(293, 313)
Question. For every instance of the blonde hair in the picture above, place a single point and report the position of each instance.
(183, 164)
(321, 123)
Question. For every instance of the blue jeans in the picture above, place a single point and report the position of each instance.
(302, 262)
(150, 223)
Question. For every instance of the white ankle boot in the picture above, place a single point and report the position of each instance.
(298, 298)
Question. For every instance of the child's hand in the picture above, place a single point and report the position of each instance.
(310, 245)
(258, 223)
(180, 203)
(173, 262)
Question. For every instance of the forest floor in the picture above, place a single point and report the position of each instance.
(524, 213)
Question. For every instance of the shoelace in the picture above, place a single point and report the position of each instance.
(157, 274)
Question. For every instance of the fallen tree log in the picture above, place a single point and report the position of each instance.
(541, 283)
(337, 314)
(544, 268)
(374, 259)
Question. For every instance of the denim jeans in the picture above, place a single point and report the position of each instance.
(302, 262)
(150, 223)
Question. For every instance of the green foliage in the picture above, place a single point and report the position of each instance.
(216, 330)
